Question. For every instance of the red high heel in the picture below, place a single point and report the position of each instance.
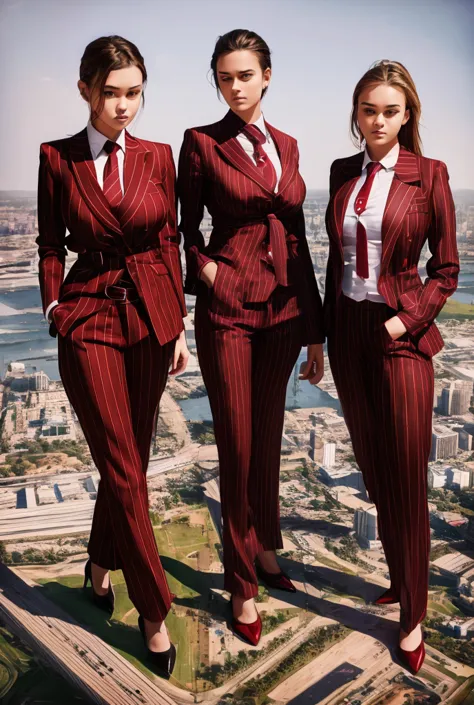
(280, 580)
(250, 632)
(389, 597)
(413, 660)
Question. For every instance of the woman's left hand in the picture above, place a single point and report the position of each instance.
(180, 355)
(396, 327)
(313, 368)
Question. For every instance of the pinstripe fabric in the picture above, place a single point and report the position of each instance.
(419, 207)
(69, 196)
(114, 357)
(249, 329)
(214, 171)
(246, 372)
(386, 392)
(114, 372)
(386, 386)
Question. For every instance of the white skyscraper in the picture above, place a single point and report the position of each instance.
(329, 455)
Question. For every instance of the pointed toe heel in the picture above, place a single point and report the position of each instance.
(389, 597)
(413, 660)
(106, 603)
(280, 580)
(249, 632)
(163, 661)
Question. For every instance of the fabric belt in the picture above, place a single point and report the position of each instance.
(113, 260)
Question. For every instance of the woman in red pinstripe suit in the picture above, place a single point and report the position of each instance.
(118, 314)
(385, 203)
(257, 303)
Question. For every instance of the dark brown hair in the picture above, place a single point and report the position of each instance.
(241, 40)
(393, 74)
(104, 55)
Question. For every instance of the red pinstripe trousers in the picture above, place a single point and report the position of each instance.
(114, 372)
(246, 370)
(386, 391)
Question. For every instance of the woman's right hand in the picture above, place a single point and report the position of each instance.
(208, 274)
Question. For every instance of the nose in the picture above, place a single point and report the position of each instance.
(236, 85)
(378, 120)
(122, 104)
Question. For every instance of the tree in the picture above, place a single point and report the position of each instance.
(3, 552)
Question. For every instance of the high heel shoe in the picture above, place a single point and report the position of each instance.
(104, 602)
(280, 580)
(249, 632)
(413, 660)
(388, 597)
(164, 661)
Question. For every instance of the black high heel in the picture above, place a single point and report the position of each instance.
(103, 602)
(164, 661)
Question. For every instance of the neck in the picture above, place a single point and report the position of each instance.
(376, 152)
(251, 115)
(105, 130)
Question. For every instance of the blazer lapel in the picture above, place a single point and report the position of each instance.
(230, 148)
(351, 170)
(83, 169)
(402, 190)
(138, 167)
(288, 165)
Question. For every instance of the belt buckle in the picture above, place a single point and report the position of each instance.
(114, 298)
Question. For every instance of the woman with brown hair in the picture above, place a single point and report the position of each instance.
(257, 304)
(119, 315)
(385, 203)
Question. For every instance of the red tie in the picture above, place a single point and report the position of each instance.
(257, 138)
(112, 188)
(360, 204)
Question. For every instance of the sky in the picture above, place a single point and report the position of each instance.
(320, 48)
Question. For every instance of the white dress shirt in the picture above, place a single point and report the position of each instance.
(352, 285)
(100, 156)
(269, 147)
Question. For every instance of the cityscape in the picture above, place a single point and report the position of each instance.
(327, 643)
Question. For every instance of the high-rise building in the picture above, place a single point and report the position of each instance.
(343, 477)
(455, 400)
(459, 478)
(39, 382)
(444, 443)
(366, 528)
(436, 477)
(329, 455)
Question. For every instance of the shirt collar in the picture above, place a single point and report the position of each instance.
(388, 162)
(97, 140)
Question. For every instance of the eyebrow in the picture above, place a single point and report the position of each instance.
(226, 73)
(116, 88)
(372, 105)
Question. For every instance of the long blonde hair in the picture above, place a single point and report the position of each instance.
(393, 74)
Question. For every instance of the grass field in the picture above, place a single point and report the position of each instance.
(175, 542)
(455, 309)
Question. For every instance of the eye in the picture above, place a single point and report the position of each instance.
(134, 93)
(368, 111)
(247, 75)
(392, 112)
(225, 79)
(109, 94)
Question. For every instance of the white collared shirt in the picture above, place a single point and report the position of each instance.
(353, 286)
(100, 156)
(269, 147)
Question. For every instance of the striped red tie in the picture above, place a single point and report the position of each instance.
(360, 204)
(112, 188)
(257, 138)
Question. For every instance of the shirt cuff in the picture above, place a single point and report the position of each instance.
(49, 309)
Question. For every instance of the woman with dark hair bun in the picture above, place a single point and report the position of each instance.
(257, 304)
(119, 315)
(385, 203)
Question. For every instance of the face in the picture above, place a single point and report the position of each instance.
(381, 111)
(121, 99)
(241, 80)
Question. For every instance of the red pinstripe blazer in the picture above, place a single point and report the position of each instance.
(70, 198)
(419, 207)
(214, 171)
